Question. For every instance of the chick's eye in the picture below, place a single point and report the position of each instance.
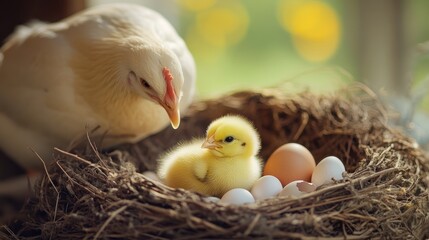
(229, 139)
(144, 83)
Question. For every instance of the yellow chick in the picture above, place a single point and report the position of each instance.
(226, 159)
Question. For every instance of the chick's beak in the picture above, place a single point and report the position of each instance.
(210, 143)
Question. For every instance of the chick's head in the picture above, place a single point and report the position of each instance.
(155, 73)
(232, 136)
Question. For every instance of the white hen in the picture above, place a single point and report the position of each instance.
(115, 66)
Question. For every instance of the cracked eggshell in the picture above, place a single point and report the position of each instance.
(297, 188)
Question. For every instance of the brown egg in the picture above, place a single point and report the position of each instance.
(290, 162)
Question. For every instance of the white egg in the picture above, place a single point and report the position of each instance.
(329, 168)
(297, 188)
(237, 196)
(266, 187)
(151, 175)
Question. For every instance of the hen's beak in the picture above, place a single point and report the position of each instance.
(174, 116)
(172, 110)
(173, 113)
(210, 143)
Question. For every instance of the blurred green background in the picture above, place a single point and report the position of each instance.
(253, 44)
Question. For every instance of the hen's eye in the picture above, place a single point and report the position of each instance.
(229, 139)
(144, 83)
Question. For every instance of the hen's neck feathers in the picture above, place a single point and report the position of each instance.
(100, 77)
(101, 71)
(102, 64)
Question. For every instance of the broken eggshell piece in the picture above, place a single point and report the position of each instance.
(297, 188)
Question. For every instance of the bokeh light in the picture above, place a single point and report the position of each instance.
(314, 27)
(218, 27)
(222, 26)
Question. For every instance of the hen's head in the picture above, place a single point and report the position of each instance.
(155, 73)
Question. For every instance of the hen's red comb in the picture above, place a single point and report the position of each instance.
(170, 93)
(167, 74)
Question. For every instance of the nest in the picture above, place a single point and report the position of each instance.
(95, 195)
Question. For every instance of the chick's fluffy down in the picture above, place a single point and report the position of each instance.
(214, 171)
(179, 169)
